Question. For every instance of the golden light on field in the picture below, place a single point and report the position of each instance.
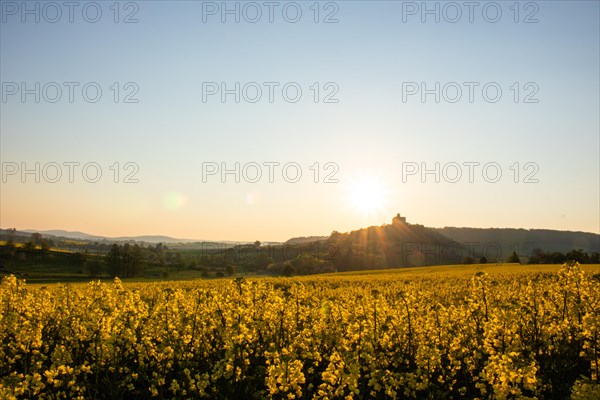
(367, 195)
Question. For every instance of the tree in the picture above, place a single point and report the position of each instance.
(230, 270)
(78, 259)
(176, 260)
(126, 260)
(130, 259)
(263, 260)
(537, 256)
(483, 260)
(93, 267)
(335, 235)
(11, 238)
(113, 260)
(135, 261)
(306, 264)
(36, 238)
(274, 268)
(557, 258)
(45, 246)
(577, 255)
(513, 258)
(288, 269)
(159, 252)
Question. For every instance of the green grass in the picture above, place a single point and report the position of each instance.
(190, 275)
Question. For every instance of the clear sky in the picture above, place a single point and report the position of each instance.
(517, 87)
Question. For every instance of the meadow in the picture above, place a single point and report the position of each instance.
(473, 331)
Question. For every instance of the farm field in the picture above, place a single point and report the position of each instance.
(472, 331)
(310, 200)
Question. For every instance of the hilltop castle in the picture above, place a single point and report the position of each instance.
(399, 219)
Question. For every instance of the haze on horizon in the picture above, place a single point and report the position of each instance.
(378, 127)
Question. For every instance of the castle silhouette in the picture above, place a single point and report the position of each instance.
(398, 219)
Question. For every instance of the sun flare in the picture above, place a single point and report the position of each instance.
(367, 195)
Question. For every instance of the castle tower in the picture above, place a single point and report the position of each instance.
(398, 219)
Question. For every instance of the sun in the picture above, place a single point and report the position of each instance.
(367, 195)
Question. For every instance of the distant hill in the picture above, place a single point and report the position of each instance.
(524, 240)
(65, 234)
(86, 237)
(402, 244)
(150, 239)
(305, 239)
(93, 238)
(399, 244)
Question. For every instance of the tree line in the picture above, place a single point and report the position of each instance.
(538, 256)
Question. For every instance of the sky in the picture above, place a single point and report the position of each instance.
(269, 120)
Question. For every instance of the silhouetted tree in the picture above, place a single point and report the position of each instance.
(577, 255)
(94, 268)
(557, 258)
(113, 260)
(513, 258)
(126, 260)
(537, 256)
(135, 260)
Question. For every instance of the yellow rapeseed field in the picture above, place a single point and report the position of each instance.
(501, 335)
